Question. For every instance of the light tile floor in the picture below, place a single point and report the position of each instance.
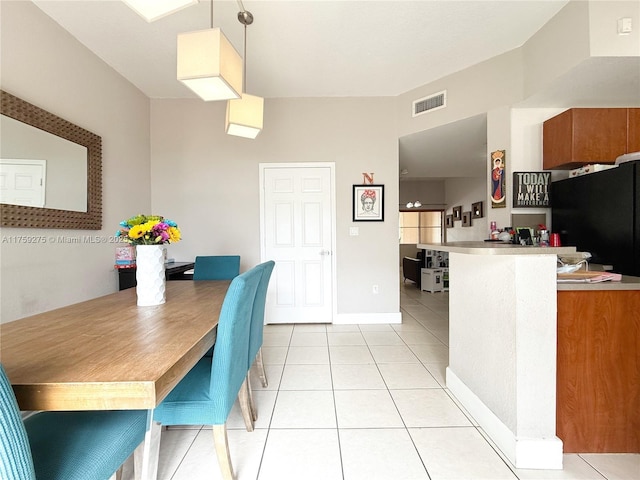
(368, 402)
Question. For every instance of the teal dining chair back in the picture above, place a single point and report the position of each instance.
(207, 393)
(15, 456)
(216, 267)
(257, 320)
(65, 445)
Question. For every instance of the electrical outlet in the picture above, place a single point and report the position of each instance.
(375, 289)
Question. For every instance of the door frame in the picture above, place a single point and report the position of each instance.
(332, 179)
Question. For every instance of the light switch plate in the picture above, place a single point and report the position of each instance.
(354, 231)
(625, 26)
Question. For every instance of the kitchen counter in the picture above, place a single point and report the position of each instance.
(627, 283)
(496, 248)
(503, 248)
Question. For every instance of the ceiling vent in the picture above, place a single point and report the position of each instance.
(430, 103)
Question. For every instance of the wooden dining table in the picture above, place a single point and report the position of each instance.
(110, 354)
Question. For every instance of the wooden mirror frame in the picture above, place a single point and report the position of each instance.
(36, 217)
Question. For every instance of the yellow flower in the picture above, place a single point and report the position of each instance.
(136, 231)
(174, 234)
(149, 225)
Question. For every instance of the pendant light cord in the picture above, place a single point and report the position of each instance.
(244, 69)
(246, 18)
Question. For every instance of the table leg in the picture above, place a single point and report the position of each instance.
(147, 454)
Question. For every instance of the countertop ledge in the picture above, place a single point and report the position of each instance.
(627, 283)
(494, 248)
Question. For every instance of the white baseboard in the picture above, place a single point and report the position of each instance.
(533, 453)
(367, 318)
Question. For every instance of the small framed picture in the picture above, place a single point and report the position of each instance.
(448, 221)
(477, 210)
(466, 219)
(368, 203)
(457, 213)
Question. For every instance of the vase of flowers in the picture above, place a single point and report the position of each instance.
(149, 234)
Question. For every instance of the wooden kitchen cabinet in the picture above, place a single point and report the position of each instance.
(598, 387)
(581, 136)
(633, 136)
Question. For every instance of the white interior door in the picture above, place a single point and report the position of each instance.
(298, 234)
(22, 182)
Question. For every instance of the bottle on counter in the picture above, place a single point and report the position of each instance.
(493, 231)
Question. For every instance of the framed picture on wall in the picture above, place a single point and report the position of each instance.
(448, 221)
(466, 219)
(477, 210)
(457, 213)
(368, 203)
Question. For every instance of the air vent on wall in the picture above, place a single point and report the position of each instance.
(430, 103)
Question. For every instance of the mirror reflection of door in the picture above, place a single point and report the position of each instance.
(297, 233)
(66, 164)
(23, 182)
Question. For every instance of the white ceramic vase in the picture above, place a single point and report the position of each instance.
(150, 275)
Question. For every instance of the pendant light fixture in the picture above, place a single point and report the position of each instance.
(209, 65)
(245, 115)
(152, 10)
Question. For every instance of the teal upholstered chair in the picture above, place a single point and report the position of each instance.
(255, 334)
(65, 445)
(216, 267)
(207, 393)
(257, 320)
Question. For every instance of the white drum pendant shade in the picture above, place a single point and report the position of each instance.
(152, 10)
(209, 65)
(244, 116)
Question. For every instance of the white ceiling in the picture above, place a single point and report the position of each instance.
(322, 48)
(310, 48)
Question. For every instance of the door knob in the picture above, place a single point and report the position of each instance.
(325, 252)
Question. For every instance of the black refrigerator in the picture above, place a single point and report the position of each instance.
(600, 213)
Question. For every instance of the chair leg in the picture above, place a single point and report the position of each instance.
(260, 365)
(245, 405)
(252, 402)
(221, 443)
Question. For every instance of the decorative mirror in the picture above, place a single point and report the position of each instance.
(87, 217)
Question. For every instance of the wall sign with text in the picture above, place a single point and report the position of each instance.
(531, 189)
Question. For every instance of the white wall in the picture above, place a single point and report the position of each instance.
(473, 91)
(561, 44)
(603, 23)
(431, 193)
(44, 65)
(464, 192)
(208, 182)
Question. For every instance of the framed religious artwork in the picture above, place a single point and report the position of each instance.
(497, 166)
(368, 203)
(457, 213)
